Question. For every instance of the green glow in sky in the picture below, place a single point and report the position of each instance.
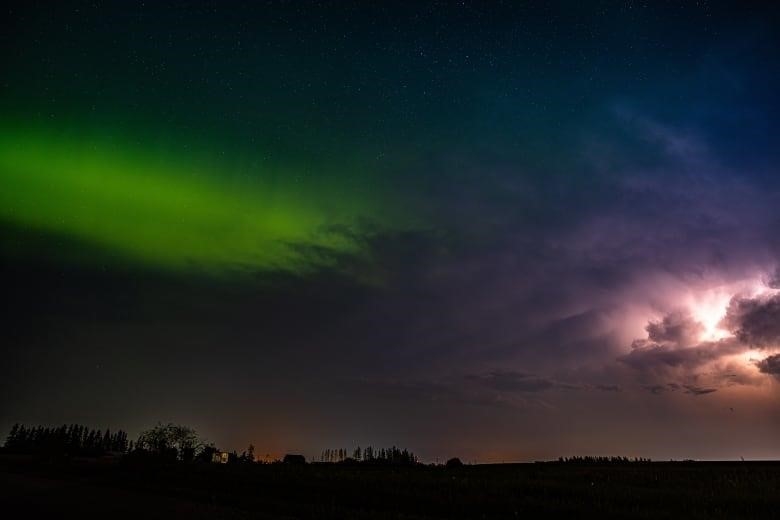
(178, 212)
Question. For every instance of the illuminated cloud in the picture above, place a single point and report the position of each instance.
(755, 320)
(770, 365)
(677, 328)
(651, 356)
(678, 346)
(773, 280)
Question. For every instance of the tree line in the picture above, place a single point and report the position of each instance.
(162, 442)
(170, 443)
(601, 460)
(370, 455)
(74, 439)
(176, 443)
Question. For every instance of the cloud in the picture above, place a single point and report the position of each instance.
(690, 389)
(498, 388)
(655, 389)
(698, 390)
(512, 381)
(677, 327)
(773, 280)
(734, 373)
(770, 365)
(458, 391)
(755, 321)
(672, 351)
(647, 355)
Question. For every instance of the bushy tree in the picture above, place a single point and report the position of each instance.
(454, 462)
(170, 441)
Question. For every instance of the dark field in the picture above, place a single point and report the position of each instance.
(651, 490)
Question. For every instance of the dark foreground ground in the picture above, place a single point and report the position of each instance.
(91, 489)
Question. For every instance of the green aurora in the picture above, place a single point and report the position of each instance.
(184, 212)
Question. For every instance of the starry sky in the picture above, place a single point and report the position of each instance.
(497, 230)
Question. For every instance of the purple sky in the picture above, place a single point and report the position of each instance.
(594, 265)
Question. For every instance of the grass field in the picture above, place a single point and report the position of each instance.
(651, 490)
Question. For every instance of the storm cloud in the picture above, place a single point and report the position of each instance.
(770, 365)
(677, 328)
(674, 349)
(755, 321)
(652, 356)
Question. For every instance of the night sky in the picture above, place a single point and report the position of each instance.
(482, 229)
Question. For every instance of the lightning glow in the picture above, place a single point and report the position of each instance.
(708, 307)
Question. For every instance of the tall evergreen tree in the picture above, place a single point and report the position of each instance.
(13, 437)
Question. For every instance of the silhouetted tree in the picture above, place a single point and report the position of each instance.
(206, 454)
(369, 455)
(589, 459)
(454, 463)
(170, 441)
(64, 440)
(13, 437)
(294, 459)
(250, 453)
